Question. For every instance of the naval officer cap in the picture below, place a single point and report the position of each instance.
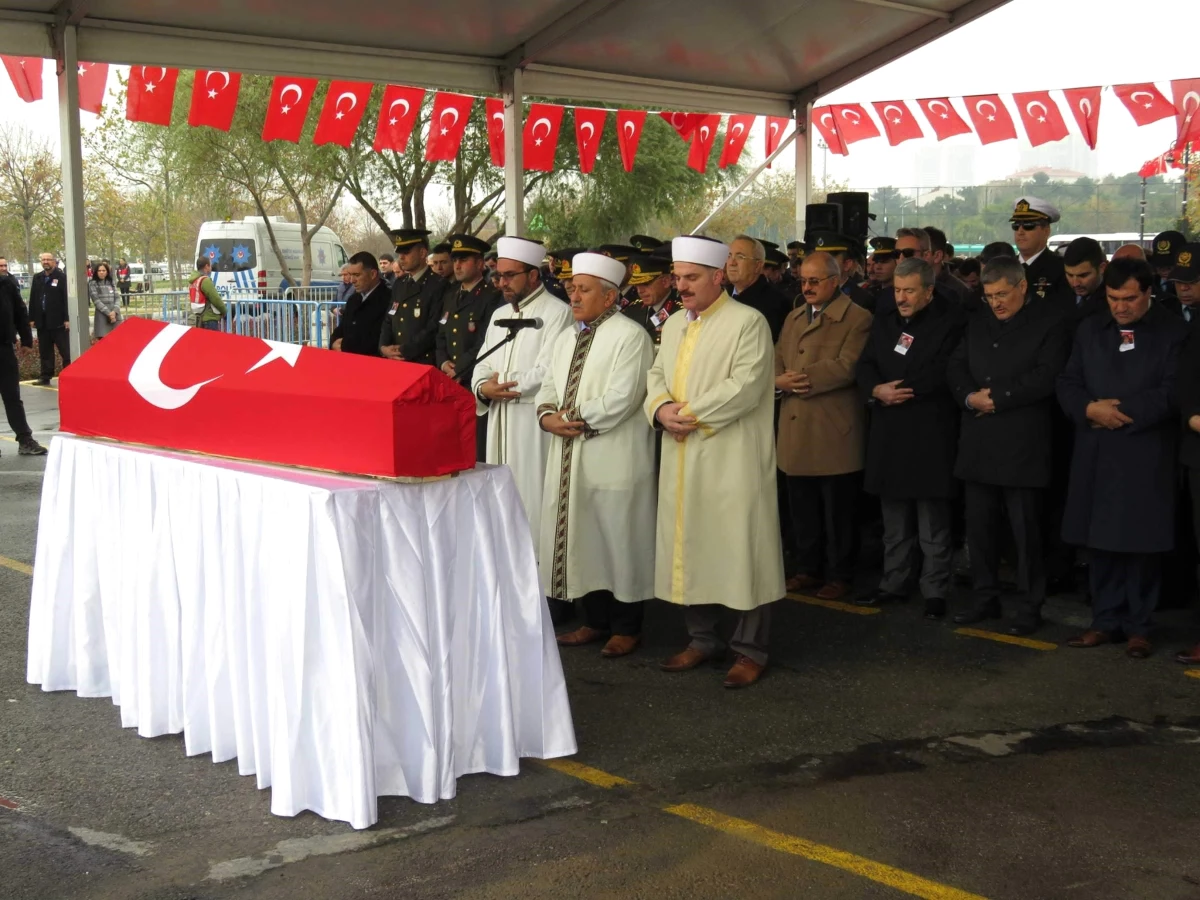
(1166, 247)
(645, 268)
(1187, 264)
(701, 251)
(1035, 211)
(599, 266)
(467, 245)
(522, 250)
(406, 238)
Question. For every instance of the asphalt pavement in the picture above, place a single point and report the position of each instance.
(882, 756)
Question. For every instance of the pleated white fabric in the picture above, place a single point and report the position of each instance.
(343, 639)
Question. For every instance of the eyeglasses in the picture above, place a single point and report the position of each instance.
(1025, 226)
(907, 252)
(508, 276)
(813, 282)
(742, 257)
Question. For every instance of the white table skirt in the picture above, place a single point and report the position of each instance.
(343, 638)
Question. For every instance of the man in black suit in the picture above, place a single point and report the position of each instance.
(1031, 221)
(14, 323)
(1084, 263)
(362, 317)
(50, 315)
(750, 286)
(1003, 377)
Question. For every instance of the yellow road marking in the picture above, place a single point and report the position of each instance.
(16, 566)
(911, 884)
(585, 773)
(1006, 639)
(834, 604)
(40, 387)
(5, 437)
(1192, 673)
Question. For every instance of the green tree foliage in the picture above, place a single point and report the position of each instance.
(30, 177)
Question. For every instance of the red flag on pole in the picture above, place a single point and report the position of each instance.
(288, 108)
(991, 118)
(541, 136)
(684, 123)
(1187, 107)
(26, 75)
(943, 118)
(853, 123)
(93, 78)
(345, 106)
(589, 125)
(1085, 106)
(447, 124)
(777, 127)
(1041, 117)
(493, 107)
(1152, 167)
(1144, 101)
(899, 123)
(214, 98)
(824, 122)
(703, 139)
(629, 134)
(150, 94)
(397, 116)
(737, 129)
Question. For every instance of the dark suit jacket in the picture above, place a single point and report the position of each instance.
(411, 322)
(773, 305)
(48, 299)
(359, 328)
(1047, 279)
(14, 317)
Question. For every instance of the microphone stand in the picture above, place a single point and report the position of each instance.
(512, 336)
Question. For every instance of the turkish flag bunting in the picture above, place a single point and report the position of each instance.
(1152, 167)
(397, 116)
(1041, 116)
(737, 129)
(703, 139)
(991, 117)
(288, 108)
(589, 126)
(899, 124)
(541, 136)
(494, 108)
(447, 124)
(214, 98)
(629, 134)
(93, 78)
(1144, 101)
(1187, 107)
(776, 128)
(26, 75)
(853, 123)
(1085, 106)
(824, 122)
(943, 118)
(684, 123)
(150, 94)
(345, 106)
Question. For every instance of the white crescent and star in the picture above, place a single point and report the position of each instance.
(590, 129)
(498, 116)
(1149, 98)
(705, 131)
(980, 104)
(283, 95)
(1085, 107)
(537, 141)
(738, 128)
(1029, 109)
(212, 94)
(148, 83)
(945, 114)
(899, 113)
(629, 128)
(774, 129)
(442, 118)
(1191, 101)
(341, 113)
(847, 113)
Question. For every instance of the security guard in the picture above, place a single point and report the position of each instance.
(467, 307)
(1044, 270)
(1163, 251)
(410, 328)
(845, 251)
(650, 276)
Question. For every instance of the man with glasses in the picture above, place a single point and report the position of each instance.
(1044, 271)
(844, 251)
(744, 269)
(409, 330)
(507, 382)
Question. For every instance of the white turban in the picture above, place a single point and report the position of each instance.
(599, 266)
(523, 251)
(701, 251)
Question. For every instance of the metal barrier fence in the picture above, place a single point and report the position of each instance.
(305, 316)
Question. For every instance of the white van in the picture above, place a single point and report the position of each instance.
(242, 257)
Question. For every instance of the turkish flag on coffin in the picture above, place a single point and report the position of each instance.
(150, 94)
(187, 389)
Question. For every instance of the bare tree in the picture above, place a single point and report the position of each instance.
(32, 179)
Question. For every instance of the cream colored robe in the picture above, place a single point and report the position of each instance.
(718, 514)
(610, 481)
(513, 436)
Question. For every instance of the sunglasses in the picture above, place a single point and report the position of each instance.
(907, 252)
(1025, 226)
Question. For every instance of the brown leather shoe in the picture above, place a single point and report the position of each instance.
(803, 583)
(681, 662)
(621, 645)
(1091, 638)
(1189, 657)
(580, 636)
(744, 673)
(834, 590)
(1138, 648)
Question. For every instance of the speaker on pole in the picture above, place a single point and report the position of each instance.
(855, 215)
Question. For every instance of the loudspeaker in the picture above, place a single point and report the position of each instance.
(823, 217)
(854, 205)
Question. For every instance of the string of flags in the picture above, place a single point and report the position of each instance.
(150, 98)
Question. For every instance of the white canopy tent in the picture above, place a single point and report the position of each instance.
(752, 56)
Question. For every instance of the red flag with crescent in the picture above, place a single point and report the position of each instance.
(150, 94)
(1187, 111)
(1085, 107)
(991, 118)
(777, 127)
(899, 124)
(93, 79)
(26, 75)
(853, 123)
(493, 107)
(287, 108)
(737, 130)
(825, 123)
(685, 124)
(541, 136)
(943, 118)
(447, 125)
(345, 106)
(629, 134)
(1041, 117)
(214, 98)
(589, 126)
(703, 139)
(1144, 101)
(397, 117)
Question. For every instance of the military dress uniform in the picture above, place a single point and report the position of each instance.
(465, 315)
(643, 270)
(623, 253)
(1164, 251)
(411, 323)
(1045, 274)
(560, 272)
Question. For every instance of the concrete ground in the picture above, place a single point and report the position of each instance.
(882, 756)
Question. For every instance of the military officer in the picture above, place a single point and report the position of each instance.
(643, 243)
(623, 253)
(409, 331)
(1185, 279)
(650, 276)
(558, 281)
(1162, 255)
(773, 265)
(880, 271)
(1044, 271)
(467, 307)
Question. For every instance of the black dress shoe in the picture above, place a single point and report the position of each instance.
(561, 611)
(1063, 584)
(1024, 626)
(978, 613)
(879, 597)
(935, 608)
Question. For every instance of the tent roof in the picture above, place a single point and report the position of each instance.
(715, 55)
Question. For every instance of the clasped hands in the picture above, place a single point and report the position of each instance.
(677, 425)
(1104, 414)
(981, 402)
(560, 424)
(792, 382)
(891, 394)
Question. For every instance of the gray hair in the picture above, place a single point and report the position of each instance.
(760, 252)
(916, 266)
(832, 267)
(920, 234)
(1003, 268)
(606, 285)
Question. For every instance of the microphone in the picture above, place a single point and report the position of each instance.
(517, 324)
